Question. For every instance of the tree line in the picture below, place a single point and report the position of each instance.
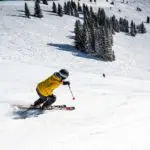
(93, 34)
(37, 10)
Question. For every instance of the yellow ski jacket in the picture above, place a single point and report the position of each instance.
(46, 87)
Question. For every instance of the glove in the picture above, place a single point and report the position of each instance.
(66, 83)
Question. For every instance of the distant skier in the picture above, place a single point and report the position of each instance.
(104, 75)
(45, 88)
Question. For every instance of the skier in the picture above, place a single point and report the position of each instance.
(104, 75)
(45, 88)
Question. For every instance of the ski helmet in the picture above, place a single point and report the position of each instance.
(63, 73)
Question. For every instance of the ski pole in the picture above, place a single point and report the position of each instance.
(73, 98)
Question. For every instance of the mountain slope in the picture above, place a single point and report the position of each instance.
(111, 113)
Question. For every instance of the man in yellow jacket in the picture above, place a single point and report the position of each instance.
(45, 88)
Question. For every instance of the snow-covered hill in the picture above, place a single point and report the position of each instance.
(111, 113)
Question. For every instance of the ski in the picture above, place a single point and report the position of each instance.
(54, 107)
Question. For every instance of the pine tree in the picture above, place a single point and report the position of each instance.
(71, 11)
(91, 38)
(65, 8)
(73, 4)
(87, 10)
(98, 42)
(76, 14)
(109, 53)
(83, 9)
(114, 23)
(126, 24)
(103, 44)
(141, 28)
(101, 17)
(95, 35)
(92, 15)
(112, 3)
(117, 26)
(38, 11)
(79, 7)
(38, 1)
(60, 10)
(27, 12)
(148, 19)
(108, 25)
(45, 2)
(68, 8)
(122, 29)
(85, 13)
(84, 38)
(54, 8)
(75, 9)
(132, 29)
(79, 41)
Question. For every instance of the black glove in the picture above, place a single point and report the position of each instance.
(66, 83)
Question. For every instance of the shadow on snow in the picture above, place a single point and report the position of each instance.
(75, 52)
(26, 113)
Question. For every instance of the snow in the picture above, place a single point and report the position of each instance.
(111, 113)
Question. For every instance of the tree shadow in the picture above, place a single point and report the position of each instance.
(71, 37)
(26, 113)
(72, 32)
(22, 16)
(53, 14)
(21, 11)
(48, 11)
(64, 47)
(75, 52)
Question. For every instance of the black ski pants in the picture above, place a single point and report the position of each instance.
(45, 100)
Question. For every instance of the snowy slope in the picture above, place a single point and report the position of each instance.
(111, 113)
